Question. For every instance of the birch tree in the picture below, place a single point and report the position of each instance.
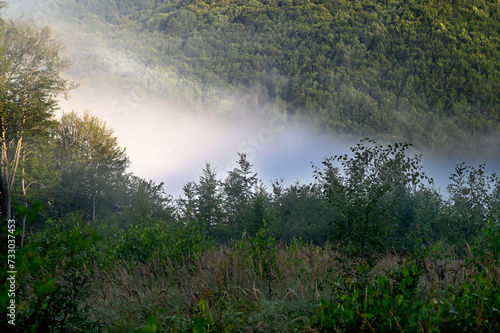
(30, 81)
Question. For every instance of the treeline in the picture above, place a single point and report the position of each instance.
(420, 71)
(376, 199)
(369, 202)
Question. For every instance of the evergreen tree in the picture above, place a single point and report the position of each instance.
(238, 194)
(145, 199)
(186, 204)
(300, 213)
(208, 201)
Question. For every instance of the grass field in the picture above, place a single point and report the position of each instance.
(259, 285)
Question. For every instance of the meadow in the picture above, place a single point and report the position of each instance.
(255, 285)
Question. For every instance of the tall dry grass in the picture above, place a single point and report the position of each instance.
(230, 288)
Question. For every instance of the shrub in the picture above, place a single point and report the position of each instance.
(175, 240)
(55, 271)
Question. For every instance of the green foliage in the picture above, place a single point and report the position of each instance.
(375, 178)
(38, 180)
(342, 61)
(419, 216)
(424, 72)
(375, 306)
(30, 80)
(206, 205)
(151, 239)
(238, 187)
(398, 300)
(471, 203)
(55, 272)
(151, 326)
(474, 305)
(261, 250)
(310, 288)
(300, 212)
(143, 199)
(90, 162)
(223, 209)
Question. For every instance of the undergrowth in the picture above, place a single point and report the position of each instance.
(257, 285)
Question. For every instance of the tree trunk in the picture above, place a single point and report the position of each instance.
(24, 188)
(93, 207)
(8, 172)
(6, 205)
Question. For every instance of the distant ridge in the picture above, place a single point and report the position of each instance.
(422, 71)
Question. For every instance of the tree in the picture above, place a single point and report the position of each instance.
(36, 186)
(258, 212)
(208, 201)
(29, 83)
(471, 203)
(366, 195)
(145, 199)
(186, 204)
(238, 194)
(301, 213)
(91, 162)
(418, 216)
(495, 204)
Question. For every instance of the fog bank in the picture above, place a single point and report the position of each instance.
(172, 145)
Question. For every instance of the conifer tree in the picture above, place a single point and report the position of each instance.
(238, 188)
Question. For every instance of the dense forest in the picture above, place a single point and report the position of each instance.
(426, 72)
(368, 245)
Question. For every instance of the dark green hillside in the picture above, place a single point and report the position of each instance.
(424, 71)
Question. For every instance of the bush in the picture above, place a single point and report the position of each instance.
(55, 272)
(175, 240)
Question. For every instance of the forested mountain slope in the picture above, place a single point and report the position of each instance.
(424, 71)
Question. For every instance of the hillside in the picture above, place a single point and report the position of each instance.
(423, 71)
